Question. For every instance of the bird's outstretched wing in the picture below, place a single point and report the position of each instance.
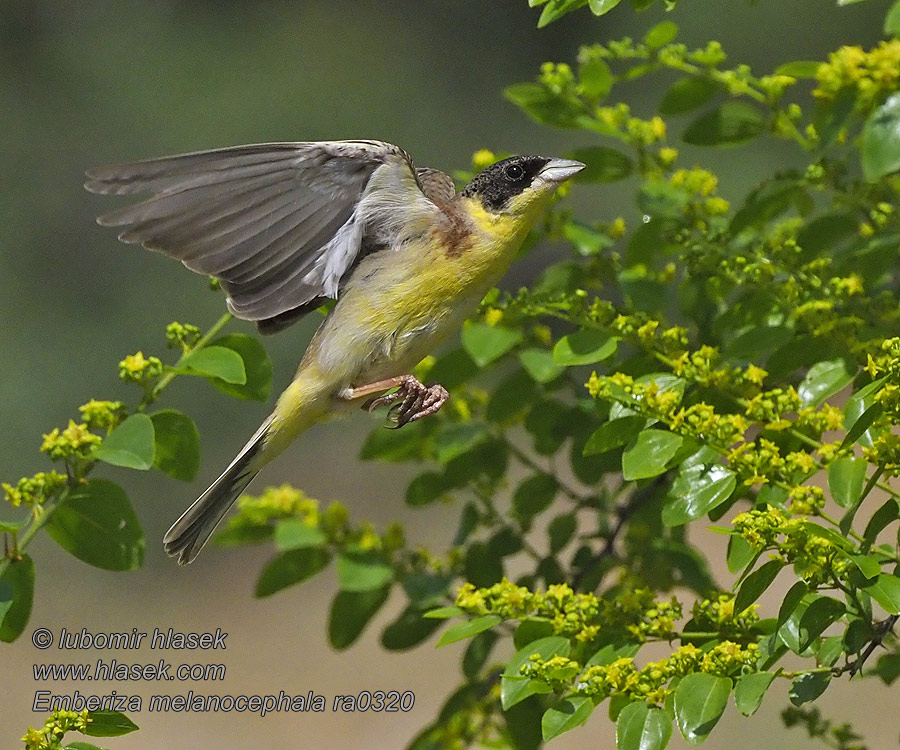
(280, 224)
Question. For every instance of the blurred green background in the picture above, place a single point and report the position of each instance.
(83, 84)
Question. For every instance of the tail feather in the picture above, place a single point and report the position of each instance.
(190, 533)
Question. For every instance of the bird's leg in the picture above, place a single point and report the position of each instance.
(410, 402)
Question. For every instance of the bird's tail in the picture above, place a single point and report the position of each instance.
(188, 535)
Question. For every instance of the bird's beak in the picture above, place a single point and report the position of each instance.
(557, 171)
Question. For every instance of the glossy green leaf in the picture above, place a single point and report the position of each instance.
(257, 383)
(539, 364)
(131, 444)
(443, 613)
(824, 379)
(514, 687)
(808, 687)
(565, 715)
(886, 591)
(830, 650)
(290, 567)
(97, 524)
(584, 347)
(756, 583)
(650, 453)
(750, 690)
(739, 554)
(294, 533)
(485, 343)
(880, 145)
(600, 7)
(790, 632)
(821, 612)
(729, 124)
(687, 94)
(860, 411)
(409, 629)
(603, 164)
(696, 491)
(16, 597)
(467, 629)
(700, 700)
(108, 724)
(81, 746)
(177, 444)
(846, 479)
(642, 727)
(363, 571)
(869, 566)
(215, 362)
(350, 612)
(614, 434)
(534, 495)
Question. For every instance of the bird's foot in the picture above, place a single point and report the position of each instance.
(410, 402)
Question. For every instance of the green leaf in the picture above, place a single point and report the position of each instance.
(443, 613)
(880, 147)
(860, 412)
(288, 568)
(868, 566)
(81, 746)
(455, 439)
(603, 164)
(642, 727)
(756, 583)
(649, 454)
(539, 364)
(750, 690)
(886, 591)
(534, 496)
(177, 444)
(12, 527)
(888, 668)
(587, 241)
(600, 7)
(514, 687)
(350, 612)
(846, 478)
(729, 124)
(108, 724)
(584, 347)
(686, 94)
(477, 653)
(561, 530)
(16, 597)
(799, 68)
(820, 613)
(426, 488)
(696, 491)
(595, 77)
(130, 445)
(214, 362)
(824, 379)
(293, 533)
(892, 20)
(700, 699)
(257, 384)
(97, 524)
(808, 687)
(485, 343)
(565, 715)
(363, 571)
(467, 629)
(407, 444)
(791, 632)
(614, 434)
(409, 629)
(661, 34)
(830, 650)
(740, 553)
(544, 106)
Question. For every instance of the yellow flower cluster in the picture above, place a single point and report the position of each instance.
(617, 121)
(50, 736)
(872, 74)
(181, 335)
(76, 441)
(36, 490)
(102, 415)
(804, 500)
(136, 368)
(717, 614)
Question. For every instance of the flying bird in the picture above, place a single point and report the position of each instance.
(286, 227)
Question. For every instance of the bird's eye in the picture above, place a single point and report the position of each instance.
(515, 172)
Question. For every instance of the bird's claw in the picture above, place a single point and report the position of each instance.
(410, 402)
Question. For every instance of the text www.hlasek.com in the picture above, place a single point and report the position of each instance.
(114, 670)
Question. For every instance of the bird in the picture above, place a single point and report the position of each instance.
(287, 227)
